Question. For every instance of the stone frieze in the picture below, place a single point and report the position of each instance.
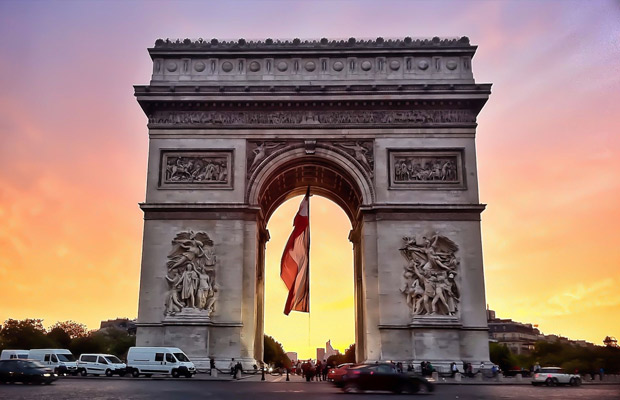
(426, 168)
(196, 168)
(214, 119)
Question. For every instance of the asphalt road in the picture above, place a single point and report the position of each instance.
(102, 388)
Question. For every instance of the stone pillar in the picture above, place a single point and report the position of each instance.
(519, 377)
(457, 377)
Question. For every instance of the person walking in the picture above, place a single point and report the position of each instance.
(231, 367)
(453, 369)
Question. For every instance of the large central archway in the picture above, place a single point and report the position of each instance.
(384, 128)
(288, 172)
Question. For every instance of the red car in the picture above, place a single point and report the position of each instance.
(336, 374)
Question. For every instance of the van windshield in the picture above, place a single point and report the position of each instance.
(22, 356)
(181, 357)
(65, 357)
(113, 360)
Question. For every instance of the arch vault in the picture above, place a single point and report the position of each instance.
(385, 129)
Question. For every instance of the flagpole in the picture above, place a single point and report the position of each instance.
(308, 195)
(309, 321)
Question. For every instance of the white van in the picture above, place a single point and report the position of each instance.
(99, 364)
(11, 354)
(60, 360)
(159, 360)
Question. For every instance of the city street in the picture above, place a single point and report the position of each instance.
(276, 388)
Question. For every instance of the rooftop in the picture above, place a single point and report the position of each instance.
(324, 43)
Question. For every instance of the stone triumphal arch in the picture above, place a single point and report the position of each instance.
(384, 128)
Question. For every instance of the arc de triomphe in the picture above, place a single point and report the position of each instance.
(384, 128)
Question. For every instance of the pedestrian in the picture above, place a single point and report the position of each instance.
(238, 370)
(319, 370)
(453, 369)
(231, 366)
(481, 368)
(325, 370)
(601, 373)
(211, 366)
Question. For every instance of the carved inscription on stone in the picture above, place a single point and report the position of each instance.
(199, 169)
(418, 169)
(213, 119)
(191, 276)
(430, 277)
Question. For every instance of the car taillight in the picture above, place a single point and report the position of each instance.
(356, 372)
(536, 376)
(548, 375)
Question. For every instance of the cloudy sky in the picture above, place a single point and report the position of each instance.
(73, 147)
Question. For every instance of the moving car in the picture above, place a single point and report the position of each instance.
(99, 364)
(25, 371)
(553, 376)
(61, 361)
(11, 354)
(382, 377)
(159, 360)
(336, 374)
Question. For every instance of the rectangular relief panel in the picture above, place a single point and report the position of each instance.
(426, 169)
(196, 169)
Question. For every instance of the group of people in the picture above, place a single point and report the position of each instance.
(236, 369)
(313, 371)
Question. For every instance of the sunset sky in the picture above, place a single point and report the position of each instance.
(73, 150)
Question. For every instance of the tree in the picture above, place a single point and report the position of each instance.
(273, 353)
(72, 328)
(24, 334)
(58, 335)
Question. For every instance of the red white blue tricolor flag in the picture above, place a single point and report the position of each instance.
(294, 268)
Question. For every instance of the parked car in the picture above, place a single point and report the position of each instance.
(553, 376)
(61, 361)
(336, 374)
(159, 360)
(382, 377)
(25, 371)
(100, 364)
(11, 354)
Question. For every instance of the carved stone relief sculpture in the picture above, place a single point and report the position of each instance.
(260, 151)
(191, 275)
(361, 151)
(426, 169)
(430, 277)
(196, 169)
(214, 119)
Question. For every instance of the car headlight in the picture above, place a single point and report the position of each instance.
(47, 374)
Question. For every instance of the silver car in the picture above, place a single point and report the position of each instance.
(553, 376)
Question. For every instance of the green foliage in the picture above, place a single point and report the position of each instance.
(25, 334)
(556, 354)
(72, 328)
(273, 353)
(30, 334)
(347, 357)
(501, 355)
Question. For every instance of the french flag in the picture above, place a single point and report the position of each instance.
(294, 267)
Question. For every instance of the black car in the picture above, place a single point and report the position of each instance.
(382, 377)
(25, 371)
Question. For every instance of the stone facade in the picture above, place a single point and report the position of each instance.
(384, 128)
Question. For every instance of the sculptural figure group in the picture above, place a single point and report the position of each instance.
(437, 169)
(430, 276)
(191, 274)
(195, 169)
